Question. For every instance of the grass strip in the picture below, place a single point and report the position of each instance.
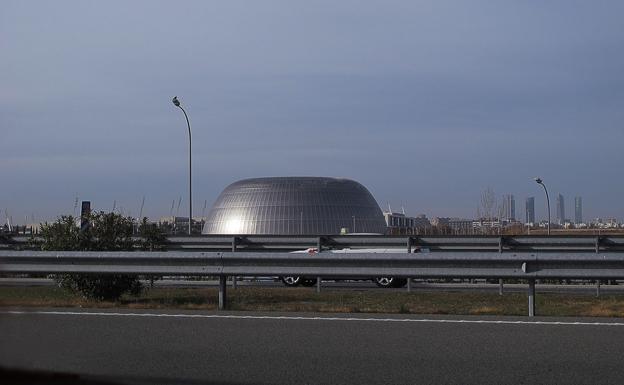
(333, 301)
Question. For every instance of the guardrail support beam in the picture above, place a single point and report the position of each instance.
(531, 297)
(319, 248)
(410, 241)
(500, 286)
(234, 243)
(222, 292)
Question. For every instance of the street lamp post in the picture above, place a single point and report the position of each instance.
(540, 182)
(176, 102)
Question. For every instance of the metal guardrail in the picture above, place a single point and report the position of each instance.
(490, 265)
(523, 265)
(515, 243)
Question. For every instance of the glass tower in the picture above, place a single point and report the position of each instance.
(578, 210)
(530, 210)
(560, 209)
(510, 207)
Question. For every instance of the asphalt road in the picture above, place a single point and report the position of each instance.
(249, 348)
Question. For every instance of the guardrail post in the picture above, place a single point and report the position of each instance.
(222, 292)
(597, 281)
(319, 248)
(409, 250)
(234, 243)
(532, 297)
(500, 251)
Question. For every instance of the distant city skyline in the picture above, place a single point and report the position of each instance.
(425, 103)
(507, 210)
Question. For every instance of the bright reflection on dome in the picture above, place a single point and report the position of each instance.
(234, 225)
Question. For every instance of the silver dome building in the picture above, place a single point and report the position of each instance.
(295, 206)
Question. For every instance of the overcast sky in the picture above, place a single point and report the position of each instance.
(427, 103)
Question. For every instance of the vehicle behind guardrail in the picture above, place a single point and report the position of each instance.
(381, 281)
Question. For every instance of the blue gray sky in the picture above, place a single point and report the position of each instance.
(427, 103)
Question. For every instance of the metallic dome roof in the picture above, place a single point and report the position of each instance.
(294, 206)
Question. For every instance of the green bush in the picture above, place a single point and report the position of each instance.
(105, 232)
(108, 287)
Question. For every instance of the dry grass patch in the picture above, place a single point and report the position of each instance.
(483, 310)
(333, 301)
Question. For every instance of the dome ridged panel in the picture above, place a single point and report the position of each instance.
(294, 206)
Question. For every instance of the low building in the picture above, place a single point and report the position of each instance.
(179, 225)
(457, 225)
(401, 224)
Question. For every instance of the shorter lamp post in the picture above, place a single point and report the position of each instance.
(540, 182)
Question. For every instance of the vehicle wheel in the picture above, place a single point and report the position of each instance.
(309, 282)
(291, 281)
(384, 281)
(399, 282)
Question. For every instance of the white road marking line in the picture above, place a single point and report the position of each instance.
(301, 318)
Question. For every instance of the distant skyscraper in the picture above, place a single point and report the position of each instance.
(530, 210)
(560, 209)
(578, 210)
(510, 207)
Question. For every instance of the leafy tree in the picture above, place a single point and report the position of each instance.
(6, 240)
(153, 237)
(111, 232)
(105, 232)
(64, 234)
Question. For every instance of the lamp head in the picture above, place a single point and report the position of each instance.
(176, 101)
(538, 180)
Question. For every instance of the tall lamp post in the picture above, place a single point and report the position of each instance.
(176, 102)
(540, 182)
